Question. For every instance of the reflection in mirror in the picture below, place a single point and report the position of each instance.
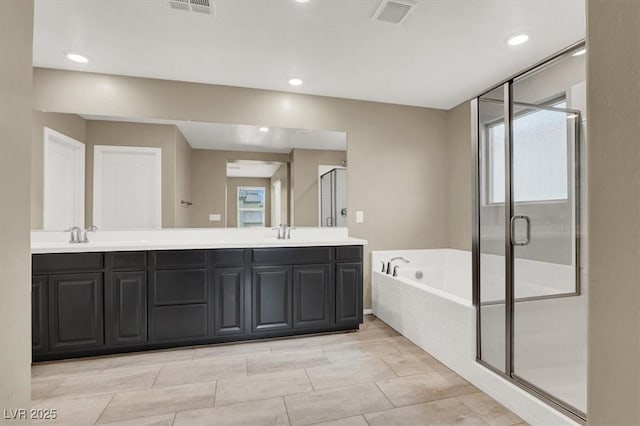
(333, 197)
(126, 173)
(257, 193)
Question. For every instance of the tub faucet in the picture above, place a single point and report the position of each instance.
(392, 260)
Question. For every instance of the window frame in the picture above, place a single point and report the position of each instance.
(241, 209)
(487, 157)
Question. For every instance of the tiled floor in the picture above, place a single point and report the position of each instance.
(374, 376)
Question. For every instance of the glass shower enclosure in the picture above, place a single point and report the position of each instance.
(529, 272)
(333, 198)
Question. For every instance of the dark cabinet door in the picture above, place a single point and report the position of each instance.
(312, 296)
(348, 293)
(229, 300)
(272, 297)
(127, 308)
(39, 328)
(76, 311)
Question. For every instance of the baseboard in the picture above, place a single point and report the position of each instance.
(367, 311)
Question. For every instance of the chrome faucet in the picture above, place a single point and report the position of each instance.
(92, 228)
(75, 235)
(78, 236)
(284, 231)
(392, 260)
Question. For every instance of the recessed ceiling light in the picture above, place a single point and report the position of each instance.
(580, 52)
(518, 39)
(302, 1)
(76, 57)
(295, 82)
(264, 129)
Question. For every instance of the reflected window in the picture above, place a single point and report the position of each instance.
(540, 137)
(251, 202)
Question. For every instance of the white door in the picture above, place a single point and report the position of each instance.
(127, 187)
(63, 197)
(276, 203)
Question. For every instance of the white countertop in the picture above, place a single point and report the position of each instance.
(185, 239)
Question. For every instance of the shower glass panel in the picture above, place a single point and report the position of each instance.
(333, 198)
(491, 314)
(549, 313)
(528, 265)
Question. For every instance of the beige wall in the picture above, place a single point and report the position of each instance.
(613, 69)
(208, 182)
(393, 152)
(232, 200)
(71, 125)
(183, 180)
(16, 44)
(136, 134)
(304, 182)
(459, 160)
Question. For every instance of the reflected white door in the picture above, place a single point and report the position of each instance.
(127, 187)
(276, 203)
(63, 197)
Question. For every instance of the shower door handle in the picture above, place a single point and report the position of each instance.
(514, 220)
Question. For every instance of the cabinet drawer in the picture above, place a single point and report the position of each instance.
(180, 286)
(179, 258)
(293, 255)
(232, 257)
(66, 262)
(349, 253)
(179, 322)
(127, 260)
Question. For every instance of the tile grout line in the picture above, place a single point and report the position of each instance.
(215, 393)
(173, 420)
(390, 368)
(104, 409)
(156, 378)
(313, 388)
(385, 395)
(286, 410)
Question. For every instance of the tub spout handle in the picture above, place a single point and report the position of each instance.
(383, 270)
(395, 270)
(391, 261)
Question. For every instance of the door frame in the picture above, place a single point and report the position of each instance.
(53, 136)
(98, 154)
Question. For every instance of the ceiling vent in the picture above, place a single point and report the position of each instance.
(393, 11)
(200, 6)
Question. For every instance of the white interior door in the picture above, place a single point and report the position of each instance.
(127, 187)
(64, 167)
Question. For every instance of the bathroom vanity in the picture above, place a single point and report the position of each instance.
(182, 288)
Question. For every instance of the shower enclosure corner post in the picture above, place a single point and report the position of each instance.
(508, 214)
(475, 219)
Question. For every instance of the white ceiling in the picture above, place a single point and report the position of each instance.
(240, 137)
(252, 169)
(442, 54)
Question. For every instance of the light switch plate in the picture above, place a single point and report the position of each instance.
(359, 216)
(215, 217)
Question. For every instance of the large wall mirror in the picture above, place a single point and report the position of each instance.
(128, 173)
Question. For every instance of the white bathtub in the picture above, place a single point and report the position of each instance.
(436, 313)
